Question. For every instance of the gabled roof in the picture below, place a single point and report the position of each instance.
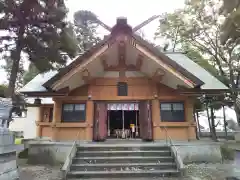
(210, 82)
(178, 61)
(76, 62)
(123, 27)
(36, 84)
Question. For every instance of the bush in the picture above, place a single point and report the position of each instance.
(23, 154)
(227, 153)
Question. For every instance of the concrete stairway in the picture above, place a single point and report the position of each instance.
(111, 161)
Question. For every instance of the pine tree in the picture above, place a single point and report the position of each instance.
(38, 30)
(85, 26)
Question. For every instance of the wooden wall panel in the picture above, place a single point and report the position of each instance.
(80, 91)
(106, 89)
(71, 133)
(177, 133)
(46, 132)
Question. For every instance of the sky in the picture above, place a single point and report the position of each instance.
(136, 11)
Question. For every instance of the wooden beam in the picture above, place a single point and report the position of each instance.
(104, 62)
(168, 68)
(86, 75)
(81, 66)
(158, 75)
(139, 62)
(122, 54)
(63, 90)
(130, 67)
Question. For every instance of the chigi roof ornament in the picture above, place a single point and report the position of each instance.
(122, 21)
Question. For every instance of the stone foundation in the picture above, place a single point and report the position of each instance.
(52, 153)
(199, 153)
(237, 136)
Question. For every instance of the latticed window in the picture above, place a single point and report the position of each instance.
(73, 112)
(172, 111)
(122, 89)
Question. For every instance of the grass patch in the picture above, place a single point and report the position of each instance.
(227, 153)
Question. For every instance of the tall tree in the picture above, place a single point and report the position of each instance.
(231, 25)
(36, 28)
(199, 27)
(8, 67)
(85, 26)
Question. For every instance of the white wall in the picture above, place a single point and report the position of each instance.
(26, 124)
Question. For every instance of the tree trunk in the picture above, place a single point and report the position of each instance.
(199, 127)
(225, 123)
(16, 56)
(214, 136)
(209, 123)
(237, 111)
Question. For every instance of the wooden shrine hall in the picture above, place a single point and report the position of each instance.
(123, 87)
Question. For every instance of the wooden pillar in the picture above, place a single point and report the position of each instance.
(39, 119)
(57, 112)
(191, 133)
(156, 118)
(89, 120)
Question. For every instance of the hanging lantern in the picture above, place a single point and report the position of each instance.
(37, 101)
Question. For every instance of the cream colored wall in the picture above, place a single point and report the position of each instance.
(26, 124)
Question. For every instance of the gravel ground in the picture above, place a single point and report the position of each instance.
(30, 172)
(213, 171)
(194, 172)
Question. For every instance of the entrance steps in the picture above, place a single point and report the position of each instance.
(119, 161)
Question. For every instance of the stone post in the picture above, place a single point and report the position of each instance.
(8, 162)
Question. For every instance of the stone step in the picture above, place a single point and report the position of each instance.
(120, 167)
(122, 174)
(122, 159)
(122, 148)
(123, 153)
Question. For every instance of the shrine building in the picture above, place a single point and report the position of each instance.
(122, 85)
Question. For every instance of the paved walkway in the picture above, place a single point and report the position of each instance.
(194, 172)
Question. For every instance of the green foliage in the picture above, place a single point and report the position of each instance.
(30, 74)
(85, 25)
(196, 56)
(23, 154)
(8, 66)
(196, 28)
(38, 30)
(231, 25)
(3, 89)
(227, 153)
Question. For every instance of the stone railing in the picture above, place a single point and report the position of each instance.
(68, 162)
